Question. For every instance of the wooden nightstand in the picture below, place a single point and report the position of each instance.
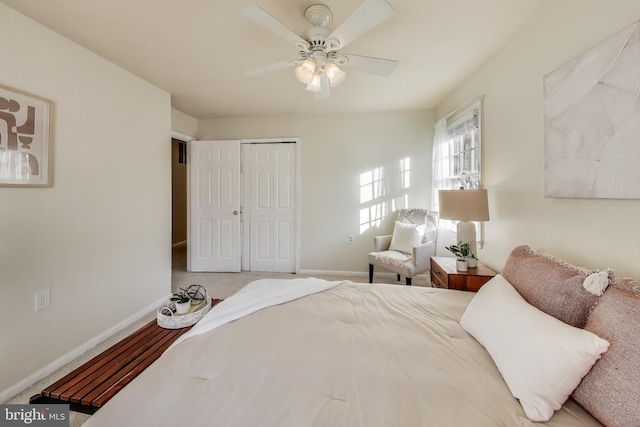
(445, 275)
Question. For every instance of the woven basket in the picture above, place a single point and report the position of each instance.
(167, 319)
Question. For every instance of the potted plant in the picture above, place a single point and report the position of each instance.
(182, 301)
(472, 260)
(461, 251)
(197, 293)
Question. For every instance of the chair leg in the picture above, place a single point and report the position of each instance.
(370, 273)
(408, 281)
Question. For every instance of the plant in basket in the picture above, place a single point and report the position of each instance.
(182, 301)
(197, 293)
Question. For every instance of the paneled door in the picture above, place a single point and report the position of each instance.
(214, 242)
(270, 200)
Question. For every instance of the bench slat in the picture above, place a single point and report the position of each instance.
(80, 377)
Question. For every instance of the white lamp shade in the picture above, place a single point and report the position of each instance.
(335, 74)
(304, 71)
(315, 85)
(464, 205)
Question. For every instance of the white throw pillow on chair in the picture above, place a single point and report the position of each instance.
(406, 236)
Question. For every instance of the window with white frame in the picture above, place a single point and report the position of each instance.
(457, 155)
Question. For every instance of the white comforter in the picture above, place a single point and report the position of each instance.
(256, 296)
(350, 355)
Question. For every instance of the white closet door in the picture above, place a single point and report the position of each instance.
(272, 202)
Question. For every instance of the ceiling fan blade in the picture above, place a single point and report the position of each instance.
(265, 69)
(369, 14)
(379, 66)
(269, 23)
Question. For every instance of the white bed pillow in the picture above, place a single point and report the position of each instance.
(406, 236)
(541, 359)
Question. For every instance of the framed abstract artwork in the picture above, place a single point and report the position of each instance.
(592, 122)
(25, 139)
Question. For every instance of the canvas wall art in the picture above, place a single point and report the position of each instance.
(25, 139)
(592, 122)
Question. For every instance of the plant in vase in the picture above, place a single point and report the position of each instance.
(182, 301)
(472, 260)
(461, 251)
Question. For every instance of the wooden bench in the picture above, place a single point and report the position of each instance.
(91, 385)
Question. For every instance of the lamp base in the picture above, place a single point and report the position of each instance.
(466, 233)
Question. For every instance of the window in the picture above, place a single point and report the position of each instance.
(457, 155)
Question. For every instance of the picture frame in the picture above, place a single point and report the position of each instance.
(25, 139)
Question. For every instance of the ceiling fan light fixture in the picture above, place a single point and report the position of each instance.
(304, 72)
(335, 74)
(319, 61)
(316, 84)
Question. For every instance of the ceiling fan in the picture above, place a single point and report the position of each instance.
(320, 59)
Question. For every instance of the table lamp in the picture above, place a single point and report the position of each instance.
(465, 206)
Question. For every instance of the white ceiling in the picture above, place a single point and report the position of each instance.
(197, 50)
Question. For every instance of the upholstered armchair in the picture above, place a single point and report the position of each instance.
(408, 251)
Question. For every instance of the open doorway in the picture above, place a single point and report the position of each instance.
(178, 205)
(178, 192)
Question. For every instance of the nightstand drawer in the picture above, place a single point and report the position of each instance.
(445, 275)
(439, 278)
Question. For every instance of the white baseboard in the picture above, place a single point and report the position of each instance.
(344, 273)
(356, 273)
(19, 387)
(332, 273)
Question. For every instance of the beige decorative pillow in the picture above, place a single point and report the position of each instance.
(550, 285)
(611, 390)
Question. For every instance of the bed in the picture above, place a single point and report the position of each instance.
(306, 352)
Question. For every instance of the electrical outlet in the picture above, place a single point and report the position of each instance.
(350, 238)
(42, 299)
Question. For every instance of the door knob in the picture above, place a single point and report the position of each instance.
(236, 212)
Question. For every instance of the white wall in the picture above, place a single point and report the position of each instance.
(335, 150)
(100, 237)
(595, 233)
(183, 123)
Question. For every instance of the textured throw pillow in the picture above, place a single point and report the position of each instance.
(550, 285)
(406, 236)
(611, 390)
(541, 359)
